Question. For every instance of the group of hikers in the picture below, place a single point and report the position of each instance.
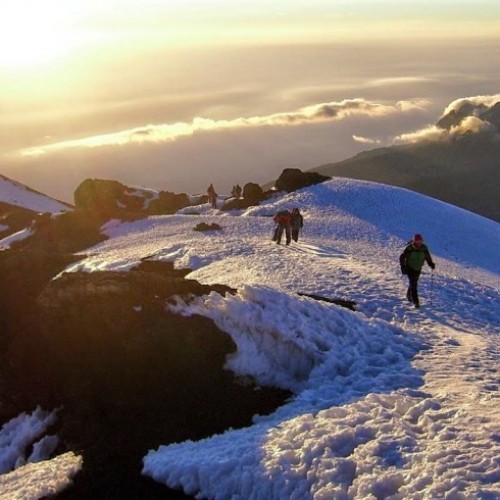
(415, 254)
(411, 260)
(236, 191)
(290, 223)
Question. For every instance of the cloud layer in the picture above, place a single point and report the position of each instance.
(318, 113)
(188, 155)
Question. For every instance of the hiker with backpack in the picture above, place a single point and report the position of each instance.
(412, 260)
(282, 219)
(296, 223)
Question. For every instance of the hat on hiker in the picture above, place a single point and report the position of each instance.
(418, 238)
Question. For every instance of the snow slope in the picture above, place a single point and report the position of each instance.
(389, 401)
(19, 195)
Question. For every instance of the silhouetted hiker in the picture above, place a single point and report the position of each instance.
(411, 260)
(212, 196)
(236, 191)
(296, 223)
(282, 219)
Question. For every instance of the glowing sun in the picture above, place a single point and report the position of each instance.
(33, 32)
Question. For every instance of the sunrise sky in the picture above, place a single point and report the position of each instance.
(175, 94)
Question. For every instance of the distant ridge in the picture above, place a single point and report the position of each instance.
(462, 169)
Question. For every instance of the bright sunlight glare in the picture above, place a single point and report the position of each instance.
(34, 32)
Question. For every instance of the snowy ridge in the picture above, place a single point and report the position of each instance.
(17, 194)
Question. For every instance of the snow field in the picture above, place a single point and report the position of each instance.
(389, 401)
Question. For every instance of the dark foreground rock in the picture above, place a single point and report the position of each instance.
(127, 374)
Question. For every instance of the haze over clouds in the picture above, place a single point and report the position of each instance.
(176, 96)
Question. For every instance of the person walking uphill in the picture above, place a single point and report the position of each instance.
(296, 223)
(411, 260)
(282, 218)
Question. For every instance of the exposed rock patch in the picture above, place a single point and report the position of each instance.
(292, 179)
(252, 195)
(109, 198)
(128, 374)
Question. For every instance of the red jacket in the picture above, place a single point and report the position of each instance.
(283, 218)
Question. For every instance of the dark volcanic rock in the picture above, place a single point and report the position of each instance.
(110, 198)
(168, 203)
(25, 367)
(292, 179)
(65, 233)
(13, 219)
(103, 196)
(237, 204)
(128, 375)
(348, 304)
(252, 192)
(252, 195)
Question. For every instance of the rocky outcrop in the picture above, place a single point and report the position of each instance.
(292, 179)
(167, 203)
(62, 233)
(252, 192)
(149, 282)
(110, 198)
